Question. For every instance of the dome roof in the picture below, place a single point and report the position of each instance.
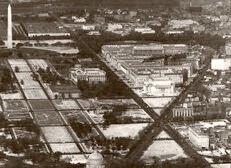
(95, 160)
(95, 156)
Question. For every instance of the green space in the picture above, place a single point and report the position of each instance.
(48, 118)
(38, 105)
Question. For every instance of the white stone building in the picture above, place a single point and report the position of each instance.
(198, 138)
(91, 75)
(159, 87)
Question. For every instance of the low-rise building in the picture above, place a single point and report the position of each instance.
(182, 112)
(198, 137)
(88, 27)
(91, 75)
(148, 50)
(173, 49)
(159, 87)
(220, 63)
(144, 30)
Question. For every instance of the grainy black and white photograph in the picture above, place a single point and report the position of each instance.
(115, 83)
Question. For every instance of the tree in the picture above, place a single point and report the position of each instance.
(57, 156)
(16, 69)
(2, 42)
(14, 163)
(22, 82)
(19, 45)
(6, 79)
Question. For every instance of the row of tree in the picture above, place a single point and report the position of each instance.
(81, 129)
(188, 37)
(51, 77)
(180, 163)
(109, 89)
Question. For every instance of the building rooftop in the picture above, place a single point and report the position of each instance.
(149, 47)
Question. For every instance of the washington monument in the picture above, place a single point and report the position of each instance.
(9, 27)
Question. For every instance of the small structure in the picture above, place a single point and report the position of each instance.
(95, 160)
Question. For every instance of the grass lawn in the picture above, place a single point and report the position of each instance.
(38, 105)
(48, 118)
(57, 134)
(15, 105)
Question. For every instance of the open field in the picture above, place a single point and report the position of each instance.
(20, 63)
(78, 114)
(38, 105)
(16, 95)
(107, 103)
(35, 94)
(158, 110)
(17, 62)
(57, 134)
(62, 104)
(163, 135)
(28, 82)
(21, 132)
(43, 28)
(48, 118)
(15, 105)
(165, 150)
(123, 130)
(17, 115)
(157, 102)
(64, 147)
(21, 68)
(60, 50)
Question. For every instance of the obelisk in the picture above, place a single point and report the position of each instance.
(9, 27)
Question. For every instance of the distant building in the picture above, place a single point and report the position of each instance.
(144, 30)
(182, 112)
(99, 19)
(88, 27)
(197, 28)
(198, 137)
(91, 75)
(173, 32)
(228, 48)
(148, 50)
(132, 13)
(220, 63)
(154, 23)
(179, 24)
(159, 87)
(173, 49)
